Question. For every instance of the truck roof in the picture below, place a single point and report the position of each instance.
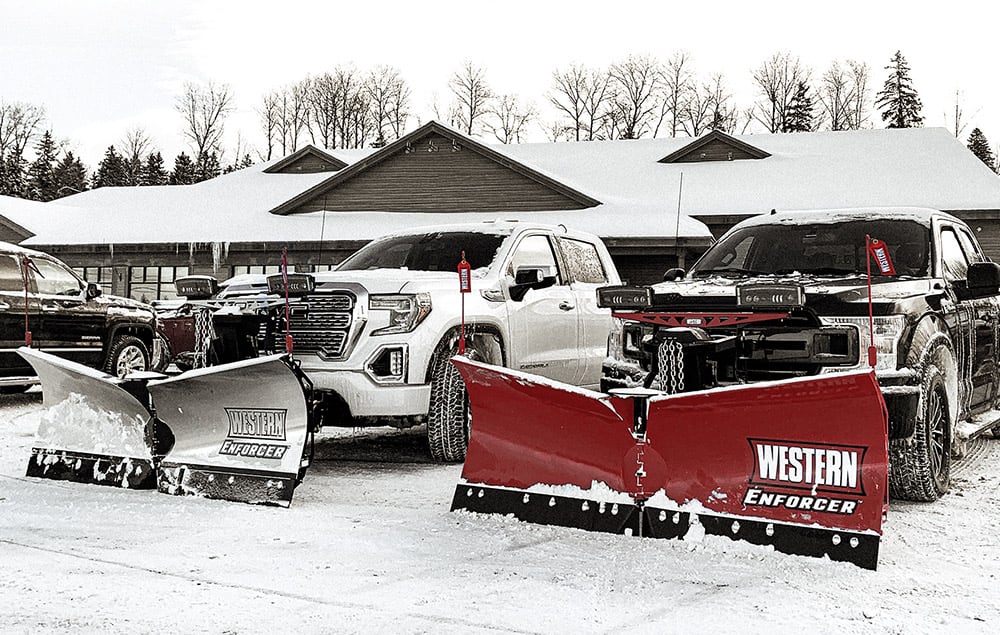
(922, 215)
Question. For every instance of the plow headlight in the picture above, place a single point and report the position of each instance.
(406, 312)
(888, 331)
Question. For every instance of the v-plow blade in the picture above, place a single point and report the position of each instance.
(800, 465)
(234, 432)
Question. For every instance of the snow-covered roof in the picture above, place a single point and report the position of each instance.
(638, 194)
(923, 167)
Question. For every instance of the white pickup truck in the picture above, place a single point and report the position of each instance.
(375, 335)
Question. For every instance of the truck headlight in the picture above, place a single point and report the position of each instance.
(888, 331)
(406, 311)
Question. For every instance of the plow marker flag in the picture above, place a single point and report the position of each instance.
(801, 464)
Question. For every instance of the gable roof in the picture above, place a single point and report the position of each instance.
(306, 161)
(715, 146)
(408, 143)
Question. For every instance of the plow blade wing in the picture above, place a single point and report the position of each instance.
(91, 430)
(800, 465)
(548, 453)
(239, 431)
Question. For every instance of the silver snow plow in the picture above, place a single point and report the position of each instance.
(212, 432)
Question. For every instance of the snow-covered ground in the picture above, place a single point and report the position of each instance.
(369, 545)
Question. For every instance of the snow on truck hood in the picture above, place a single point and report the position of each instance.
(392, 280)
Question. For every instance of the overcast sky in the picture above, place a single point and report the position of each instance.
(100, 68)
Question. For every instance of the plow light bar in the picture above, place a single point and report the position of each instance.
(770, 296)
(624, 297)
(298, 284)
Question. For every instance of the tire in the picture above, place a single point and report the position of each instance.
(449, 420)
(920, 467)
(127, 354)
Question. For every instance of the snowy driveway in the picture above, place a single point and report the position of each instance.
(369, 543)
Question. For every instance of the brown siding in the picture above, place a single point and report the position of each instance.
(714, 150)
(434, 176)
(987, 231)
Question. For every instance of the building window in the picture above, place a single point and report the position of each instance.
(101, 276)
(263, 269)
(154, 283)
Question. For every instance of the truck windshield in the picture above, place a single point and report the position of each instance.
(435, 251)
(829, 249)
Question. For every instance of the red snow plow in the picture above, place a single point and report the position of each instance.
(798, 464)
(199, 433)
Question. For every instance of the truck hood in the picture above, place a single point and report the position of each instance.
(395, 280)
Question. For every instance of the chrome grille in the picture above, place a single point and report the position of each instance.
(320, 323)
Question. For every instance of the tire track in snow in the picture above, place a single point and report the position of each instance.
(340, 604)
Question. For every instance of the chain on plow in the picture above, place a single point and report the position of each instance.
(670, 365)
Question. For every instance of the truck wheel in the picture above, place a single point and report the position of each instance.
(127, 354)
(920, 468)
(449, 419)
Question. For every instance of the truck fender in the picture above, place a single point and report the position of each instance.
(485, 338)
(930, 345)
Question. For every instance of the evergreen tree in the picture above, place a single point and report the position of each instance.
(981, 148)
(799, 115)
(245, 162)
(183, 173)
(12, 176)
(153, 171)
(898, 100)
(133, 169)
(207, 167)
(41, 180)
(70, 176)
(112, 171)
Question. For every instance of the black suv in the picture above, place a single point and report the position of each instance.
(68, 317)
(786, 295)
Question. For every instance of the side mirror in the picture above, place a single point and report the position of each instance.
(673, 274)
(526, 278)
(983, 280)
(92, 291)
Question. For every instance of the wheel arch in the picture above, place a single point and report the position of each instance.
(489, 335)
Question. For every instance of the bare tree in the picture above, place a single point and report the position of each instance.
(836, 93)
(858, 107)
(777, 81)
(135, 145)
(389, 100)
(696, 116)
(293, 114)
(635, 87)
(205, 109)
(268, 113)
(723, 115)
(19, 126)
(959, 120)
(510, 118)
(678, 85)
(472, 98)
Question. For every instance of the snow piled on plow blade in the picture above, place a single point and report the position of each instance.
(234, 432)
(91, 431)
(800, 465)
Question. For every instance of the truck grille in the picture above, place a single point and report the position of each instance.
(320, 324)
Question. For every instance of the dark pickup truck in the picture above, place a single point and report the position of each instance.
(70, 318)
(786, 295)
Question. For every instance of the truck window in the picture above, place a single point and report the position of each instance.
(954, 261)
(535, 251)
(583, 261)
(51, 279)
(10, 274)
(435, 251)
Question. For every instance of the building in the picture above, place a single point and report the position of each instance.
(657, 203)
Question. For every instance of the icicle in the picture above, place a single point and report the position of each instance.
(217, 248)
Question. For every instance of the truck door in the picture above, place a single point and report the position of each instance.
(544, 323)
(974, 321)
(71, 325)
(583, 263)
(12, 316)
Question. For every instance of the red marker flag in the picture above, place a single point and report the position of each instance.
(880, 252)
